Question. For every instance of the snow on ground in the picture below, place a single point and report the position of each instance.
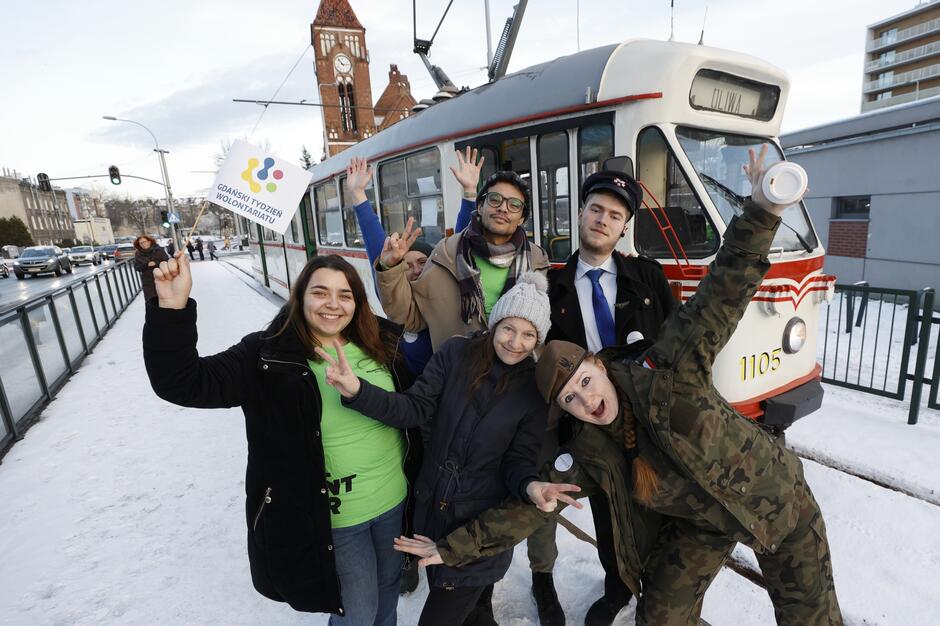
(121, 508)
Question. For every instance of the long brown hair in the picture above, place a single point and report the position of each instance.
(363, 330)
(481, 356)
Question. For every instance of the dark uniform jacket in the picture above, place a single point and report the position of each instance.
(287, 507)
(644, 300)
(479, 449)
(754, 480)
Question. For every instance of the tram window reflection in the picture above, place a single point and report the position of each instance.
(329, 218)
(350, 221)
(411, 187)
(595, 145)
(667, 183)
(554, 200)
(515, 156)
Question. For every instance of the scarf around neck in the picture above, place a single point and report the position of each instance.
(514, 254)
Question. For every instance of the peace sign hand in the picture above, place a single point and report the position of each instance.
(546, 496)
(467, 172)
(395, 246)
(338, 373)
(420, 546)
(755, 172)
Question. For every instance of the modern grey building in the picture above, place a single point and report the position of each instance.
(875, 193)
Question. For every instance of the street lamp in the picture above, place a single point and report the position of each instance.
(163, 171)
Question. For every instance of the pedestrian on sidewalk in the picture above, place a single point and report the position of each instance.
(190, 248)
(170, 248)
(202, 257)
(686, 476)
(327, 488)
(211, 248)
(483, 420)
(148, 256)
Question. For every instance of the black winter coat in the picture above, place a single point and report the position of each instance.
(142, 264)
(478, 450)
(290, 545)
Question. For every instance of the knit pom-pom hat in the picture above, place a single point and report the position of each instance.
(527, 299)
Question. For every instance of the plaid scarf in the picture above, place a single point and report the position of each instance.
(514, 254)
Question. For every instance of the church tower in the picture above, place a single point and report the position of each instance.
(342, 67)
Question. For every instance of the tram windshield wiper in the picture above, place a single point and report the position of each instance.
(737, 205)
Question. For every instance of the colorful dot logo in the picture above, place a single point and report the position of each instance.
(263, 174)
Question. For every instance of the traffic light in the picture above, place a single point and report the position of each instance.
(43, 179)
(115, 175)
(165, 218)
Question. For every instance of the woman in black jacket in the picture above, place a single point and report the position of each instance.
(483, 423)
(149, 255)
(326, 487)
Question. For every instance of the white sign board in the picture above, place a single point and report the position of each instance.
(259, 186)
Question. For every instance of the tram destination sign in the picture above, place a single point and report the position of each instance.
(259, 186)
(725, 93)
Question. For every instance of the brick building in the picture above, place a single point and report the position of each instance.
(345, 88)
(45, 214)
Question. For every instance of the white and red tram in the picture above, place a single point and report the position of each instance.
(681, 116)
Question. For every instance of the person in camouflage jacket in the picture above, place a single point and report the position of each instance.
(687, 477)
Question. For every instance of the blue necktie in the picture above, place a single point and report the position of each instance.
(602, 317)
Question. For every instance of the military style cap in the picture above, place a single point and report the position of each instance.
(619, 183)
(557, 364)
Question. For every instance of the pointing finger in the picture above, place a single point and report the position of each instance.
(341, 355)
(323, 354)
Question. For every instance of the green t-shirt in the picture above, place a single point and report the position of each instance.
(493, 279)
(364, 458)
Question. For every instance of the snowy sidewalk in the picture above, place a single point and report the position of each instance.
(122, 509)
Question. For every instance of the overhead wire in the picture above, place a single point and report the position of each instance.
(276, 91)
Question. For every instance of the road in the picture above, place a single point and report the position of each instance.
(13, 290)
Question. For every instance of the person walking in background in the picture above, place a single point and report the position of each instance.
(170, 248)
(327, 488)
(211, 248)
(190, 248)
(148, 256)
(483, 423)
(202, 257)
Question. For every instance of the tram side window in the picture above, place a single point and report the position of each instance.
(595, 144)
(350, 221)
(516, 157)
(411, 187)
(670, 189)
(554, 200)
(329, 218)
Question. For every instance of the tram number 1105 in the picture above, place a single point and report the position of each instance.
(759, 364)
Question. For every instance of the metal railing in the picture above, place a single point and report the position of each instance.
(872, 335)
(906, 56)
(44, 340)
(906, 34)
(911, 96)
(904, 78)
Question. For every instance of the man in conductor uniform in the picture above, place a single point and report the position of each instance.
(599, 298)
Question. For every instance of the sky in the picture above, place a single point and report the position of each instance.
(176, 65)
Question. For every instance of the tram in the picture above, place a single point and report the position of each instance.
(680, 116)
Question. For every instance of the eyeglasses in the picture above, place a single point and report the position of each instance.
(496, 199)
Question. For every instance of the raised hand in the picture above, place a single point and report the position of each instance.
(173, 282)
(358, 176)
(546, 496)
(467, 171)
(755, 171)
(339, 375)
(420, 546)
(395, 246)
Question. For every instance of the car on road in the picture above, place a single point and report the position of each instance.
(107, 250)
(124, 251)
(84, 254)
(37, 260)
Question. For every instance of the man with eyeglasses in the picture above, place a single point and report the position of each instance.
(468, 271)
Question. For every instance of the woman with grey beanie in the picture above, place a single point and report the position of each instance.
(483, 422)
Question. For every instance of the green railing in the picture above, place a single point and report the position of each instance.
(44, 340)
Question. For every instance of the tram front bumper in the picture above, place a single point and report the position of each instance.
(788, 407)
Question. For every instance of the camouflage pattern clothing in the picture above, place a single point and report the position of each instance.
(722, 478)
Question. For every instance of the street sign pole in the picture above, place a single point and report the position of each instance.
(169, 194)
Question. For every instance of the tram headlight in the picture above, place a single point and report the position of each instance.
(794, 336)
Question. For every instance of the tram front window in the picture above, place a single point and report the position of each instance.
(718, 159)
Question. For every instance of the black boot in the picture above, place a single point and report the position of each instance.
(482, 613)
(409, 576)
(605, 609)
(546, 600)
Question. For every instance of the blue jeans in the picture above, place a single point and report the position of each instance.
(369, 570)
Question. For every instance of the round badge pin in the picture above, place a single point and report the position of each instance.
(564, 462)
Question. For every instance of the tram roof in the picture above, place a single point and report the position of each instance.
(551, 86)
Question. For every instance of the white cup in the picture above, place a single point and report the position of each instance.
(784, 182)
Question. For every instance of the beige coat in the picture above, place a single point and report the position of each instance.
(433, 301)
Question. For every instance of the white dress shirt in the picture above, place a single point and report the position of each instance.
(585, 289)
